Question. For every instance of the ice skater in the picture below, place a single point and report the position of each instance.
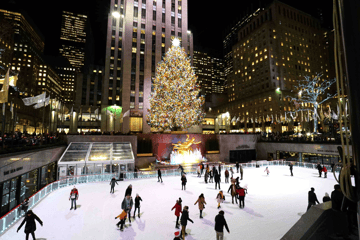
(30, 226)
(237, 167)
(220, 170)
(184, 219)
(226, 176)
(128, 190)
(291, 169)
(312, 199)
(74, 195)
(220, 222)
(217, 180)
(220, 198)
(267, 171)
(183, 182)
(177, 207)
(202, 168)
(112, 183)
(211, 174)
(325, 171)
(241, 193)
(241, 172)
(206, 176)
(137, 204)
(319, 168)
(198, 171)
(201, 202)
(126, 205)
(159, 175)
(24, 205)
(122, 217)
(182, 170)
(232, 188)
(232, 172)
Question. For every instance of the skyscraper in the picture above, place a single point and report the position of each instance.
(139, 34)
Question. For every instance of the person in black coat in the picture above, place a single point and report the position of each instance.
(183, 220)
(312, 198)
(24, 205)
(112, 183)
(220, 222)
(319, 168)
(30, 226)
(291, 169)
(326, 198)
(128, 190)
(220, 170)
(159, 175)
(137, 204)
(337, 198)
(237, 167)
(217, 180)
(183, 182)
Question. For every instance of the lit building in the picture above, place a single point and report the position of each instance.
(210, 72)
(139, 34)
(277, 46)
(73, 38)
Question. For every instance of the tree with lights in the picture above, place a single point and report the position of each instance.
(175, 102)
(312, 93)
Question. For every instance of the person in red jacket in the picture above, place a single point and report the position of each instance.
(74, 195)
(325, 171)
(177, 212)
(241, 192)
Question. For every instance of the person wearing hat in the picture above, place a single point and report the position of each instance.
(326, 198)
(184, 219)
(177, 235)
(112, 183)
(220, 222)
(30, 226)
(74, 195)
(312, 198)
(137, 204)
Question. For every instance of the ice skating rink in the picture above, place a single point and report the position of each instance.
(273, 204)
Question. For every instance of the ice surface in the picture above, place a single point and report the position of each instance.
(273, 205)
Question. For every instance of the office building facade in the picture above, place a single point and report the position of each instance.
(139, 34)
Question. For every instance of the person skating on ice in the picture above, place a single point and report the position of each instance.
(198, 171)
(237, 167)
(232, 172)
(241, 172)
(241, 192)
(127, 205)
(226, 176)
(217, 180)
(233, 193)
(30, 226)
(184, 219)
(319, 168)
(201, 203)
(122, 217)
(267, 171)
(211, 174)
(182, 170)
(137, 204)
(220, 198)
(220, 222)
(177, 208)
(183, 182)
(128, 191)
(24, 205)
(219, 169)
(325, 171)
(112, 183)
(291, 169)
(74, 195)
(159, 175)
(312, 199)
(202, 169)
(206, 176)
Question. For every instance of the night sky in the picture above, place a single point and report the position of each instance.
(208, 22)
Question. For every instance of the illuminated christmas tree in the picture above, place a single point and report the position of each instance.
(175, 102)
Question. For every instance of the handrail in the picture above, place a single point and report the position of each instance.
(15, 214)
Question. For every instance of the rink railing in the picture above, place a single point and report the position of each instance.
(14, 215)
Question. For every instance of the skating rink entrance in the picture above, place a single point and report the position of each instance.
(273, 205)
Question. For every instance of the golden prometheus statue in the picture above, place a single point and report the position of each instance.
(185, 147)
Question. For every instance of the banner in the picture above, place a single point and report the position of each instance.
(34, 100)
(42, 103)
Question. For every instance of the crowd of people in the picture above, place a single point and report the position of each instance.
(299, 138)
(19, 139)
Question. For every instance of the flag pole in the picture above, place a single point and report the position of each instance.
(3, 126)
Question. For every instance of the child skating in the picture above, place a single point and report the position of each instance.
(267, 171)
(122, 217)
(220, 198)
